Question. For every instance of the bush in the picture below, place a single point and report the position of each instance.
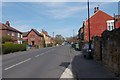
(7, 39)
(49, 45)
(9, 47)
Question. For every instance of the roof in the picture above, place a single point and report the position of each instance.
(99, 11)
(44, 32)
(35, 32)
(4, 27)
(25, 34)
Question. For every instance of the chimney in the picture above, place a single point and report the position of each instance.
(96, 9)
(7, 24)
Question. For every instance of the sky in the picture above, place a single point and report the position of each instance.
(58, 17)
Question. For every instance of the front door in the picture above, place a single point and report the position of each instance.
(33, 43)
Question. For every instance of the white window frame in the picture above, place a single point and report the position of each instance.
(110, 25)
(18, 34)
(13, 34)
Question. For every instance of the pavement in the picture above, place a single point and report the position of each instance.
(90, 69)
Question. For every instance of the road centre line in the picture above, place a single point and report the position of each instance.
(26, 60)
(18, 64)
(37, 55)
(43, 53)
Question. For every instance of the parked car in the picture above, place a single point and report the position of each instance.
(76, 46)
(87, 53)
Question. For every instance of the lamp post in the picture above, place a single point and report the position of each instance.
(89, 30)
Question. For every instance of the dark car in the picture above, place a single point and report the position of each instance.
(87, 53)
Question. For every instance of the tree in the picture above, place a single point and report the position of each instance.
(59, 39)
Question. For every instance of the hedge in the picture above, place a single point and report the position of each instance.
(9, 47)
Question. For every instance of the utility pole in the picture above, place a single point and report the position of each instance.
(73, 35)
(53, 39)
(89, 30)
(114, 21)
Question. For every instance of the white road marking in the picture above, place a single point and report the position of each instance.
(42, 53)
(49, 51)
(67, 73)
(37, 55)
(18, 64)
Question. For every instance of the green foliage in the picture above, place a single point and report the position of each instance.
(59, 39)
(49, 45)
(9, 47)
(44, 45)
(7, 39)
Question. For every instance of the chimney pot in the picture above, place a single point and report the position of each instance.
(96, 9)
(7, 23)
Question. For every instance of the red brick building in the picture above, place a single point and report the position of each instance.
(117, 21)
(34, 38)
(99, 22)
(7, 30)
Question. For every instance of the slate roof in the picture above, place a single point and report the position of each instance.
(35, 32)
(4, 27)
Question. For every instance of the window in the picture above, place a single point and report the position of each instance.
(18, 34)
(8, 34)
(21, 36)
(110, 25)
(13, 34)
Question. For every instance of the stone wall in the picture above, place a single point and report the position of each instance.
(97, 48)
(107, 49)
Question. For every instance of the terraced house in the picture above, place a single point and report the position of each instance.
(7, 30)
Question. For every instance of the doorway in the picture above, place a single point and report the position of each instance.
(33, 43)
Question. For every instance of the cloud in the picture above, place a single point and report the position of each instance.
(61, 10)
(22, 28)
(22, 25)
(59, 0)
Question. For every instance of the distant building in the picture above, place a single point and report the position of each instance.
(34, 38)
(99, 22)
(48, 39)
(7, 30)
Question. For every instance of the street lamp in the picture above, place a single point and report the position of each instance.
(90, 55)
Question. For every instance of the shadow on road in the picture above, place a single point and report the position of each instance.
(64, 64)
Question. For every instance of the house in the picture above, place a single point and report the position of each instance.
(25, 39)
(34, 38)
(7, 30)
(81, 33)
(48, 39)
(99, 22)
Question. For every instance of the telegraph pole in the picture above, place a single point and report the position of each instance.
(89, 30)
(114, 22)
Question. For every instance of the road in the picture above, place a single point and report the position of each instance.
(38, 63)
